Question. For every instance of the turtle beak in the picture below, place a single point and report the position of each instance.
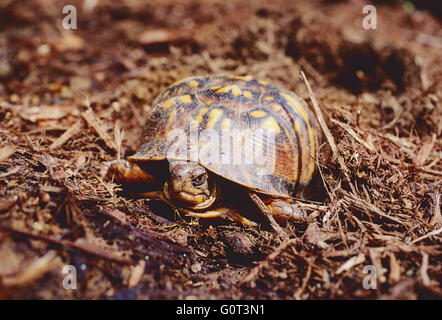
(176, 192)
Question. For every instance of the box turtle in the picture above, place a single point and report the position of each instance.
(210, 141)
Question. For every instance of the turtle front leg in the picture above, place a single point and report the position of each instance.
(123, 171)
(284, 210)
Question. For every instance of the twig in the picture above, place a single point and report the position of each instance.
(96, 124)
(88, 248)
(350, 263)
(352, 199)
(395, 269)
(69, 133)
(436, 216)
(12, 170)
(268, 215)
(298, 293)
(430, 234)
(136, 274)
(325, 129)
(34, 271)
(118, 138)
(370, 147)
(423, 270)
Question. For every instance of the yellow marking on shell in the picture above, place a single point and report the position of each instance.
(209, 101)
(236, 91)
(193, 84)
(169, 103)
(166, 93)
(215, 87)
(187, 98)
(171, 118)
(272, 125)
(226, 124)
(298, 127)
(313, 142)
(276, 107)
(199, 117)
(214, 116)
(286, 146)
(248, 94)
(268, 98)
(263, 82)
(258, 113)
(297, 107)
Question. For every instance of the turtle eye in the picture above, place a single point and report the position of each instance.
(199, 179)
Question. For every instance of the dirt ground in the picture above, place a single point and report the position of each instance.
(72, 99)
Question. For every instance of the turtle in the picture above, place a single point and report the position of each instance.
(211, 141)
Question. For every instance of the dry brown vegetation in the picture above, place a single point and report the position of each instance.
(72, 99)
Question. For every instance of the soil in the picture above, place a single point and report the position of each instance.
(72, 99)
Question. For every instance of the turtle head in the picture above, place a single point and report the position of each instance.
(190, 185)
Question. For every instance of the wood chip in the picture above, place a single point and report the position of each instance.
(95, 123)
(34, 271)
(437, 217)
(376, 262)
(395, 269)
(68, 41)
(313, 236)
(350, 263)
(423, 270)
(84, 245)
(68, 134)
(52, 189)
(11, 171)
(120, 216)
(6, 152)
(159, 36)
(425, 150)
(53, 112)
(5, 204)
(136, 274)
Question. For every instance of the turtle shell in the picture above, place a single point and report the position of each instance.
(240, 128)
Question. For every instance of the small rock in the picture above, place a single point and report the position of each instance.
(313, 236)
(196, 267)
(66, 93)
(44, 196)
(239, 242)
